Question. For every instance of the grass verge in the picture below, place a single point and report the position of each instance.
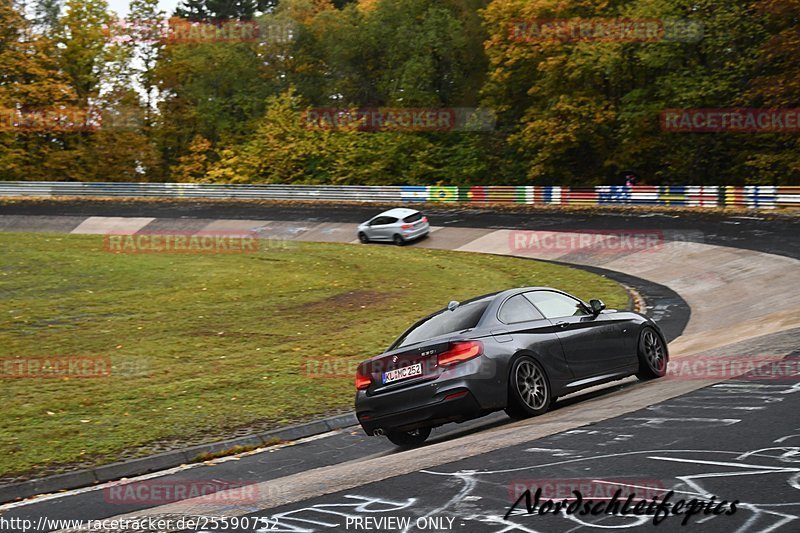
(203, 345)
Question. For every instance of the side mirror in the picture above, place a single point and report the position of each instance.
(597, 306)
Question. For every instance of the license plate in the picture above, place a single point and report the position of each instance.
(402, 373)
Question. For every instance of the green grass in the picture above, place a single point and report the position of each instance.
(203, 344)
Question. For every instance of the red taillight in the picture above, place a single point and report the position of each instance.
(424, 219)
(407, 226)
(363, 380)
(460, 352)
(455, 395)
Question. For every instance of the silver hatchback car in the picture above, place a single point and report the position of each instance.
(398, 225)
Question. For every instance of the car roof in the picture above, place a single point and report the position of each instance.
(499, 295)
(398, 212)
(509, 292)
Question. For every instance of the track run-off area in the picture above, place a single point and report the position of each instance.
(720, 285)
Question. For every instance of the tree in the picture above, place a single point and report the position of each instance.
(387, 52)
(47, 13)
(145, 31)
(218, 10)
(580, 111)
(86, 47)
(194, 165)
(30, 81)
(776, 83)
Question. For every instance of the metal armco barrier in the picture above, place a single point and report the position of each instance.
(757, 197)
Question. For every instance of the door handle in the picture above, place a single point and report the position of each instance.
(562, 324)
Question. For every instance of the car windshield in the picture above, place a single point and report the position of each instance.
(465, 316)
(413, 218)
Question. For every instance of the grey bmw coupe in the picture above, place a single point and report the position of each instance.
(515, 350)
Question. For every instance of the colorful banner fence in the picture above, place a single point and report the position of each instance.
(758, 197)
(751, 196)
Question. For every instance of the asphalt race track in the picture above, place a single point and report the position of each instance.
(720, 286)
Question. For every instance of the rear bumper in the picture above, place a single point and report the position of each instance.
(438, 412)
(466, 391)
(417, 233)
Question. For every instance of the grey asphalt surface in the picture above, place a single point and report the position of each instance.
(736, 440)
(762, 233)
(627, 443)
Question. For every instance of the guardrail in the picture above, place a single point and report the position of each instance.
(755, 196)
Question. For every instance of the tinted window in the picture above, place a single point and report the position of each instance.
(556, 305)
(465, 316)
(518, 309)
(413, 218)
(380, 221)
(389, 220)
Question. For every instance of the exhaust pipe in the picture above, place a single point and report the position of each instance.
(378, 432)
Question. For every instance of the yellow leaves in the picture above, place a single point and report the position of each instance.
(194, 166)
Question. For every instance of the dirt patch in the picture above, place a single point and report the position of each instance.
(343, 301)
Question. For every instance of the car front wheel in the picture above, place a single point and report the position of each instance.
(652, 355)
(363, 237)
(409, 438)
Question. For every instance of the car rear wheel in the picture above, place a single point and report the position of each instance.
(528, 389)
(409, 438)
(363, 237)
(399, 240)
(652, 355)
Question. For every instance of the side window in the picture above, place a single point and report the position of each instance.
(518, 309)
(378, 221)
(389, 220)
(556, 305)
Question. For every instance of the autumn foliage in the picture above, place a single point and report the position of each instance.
(579, 107)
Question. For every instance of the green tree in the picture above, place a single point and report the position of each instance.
(30, 81)
(86, 47)
(145, 31)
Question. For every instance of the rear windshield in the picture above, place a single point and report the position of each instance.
(413, 218)
(465, 316)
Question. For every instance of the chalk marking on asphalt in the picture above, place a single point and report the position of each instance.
(717, 407)
(592, 458)
(466, 490)
(791, 451)
(722, 463)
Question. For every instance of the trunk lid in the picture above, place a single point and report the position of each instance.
(406, 366)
